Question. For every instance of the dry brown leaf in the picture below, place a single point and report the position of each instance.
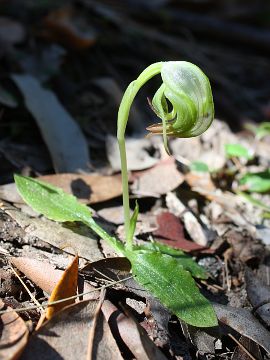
(171, 232)
(13, 334)
(66, 287)
(196, 231)
(158, 180)
(69, 29)
(133, 335)
(113, 269)
(258, 295)
(246, 348)
(44, 275)
(91, 188)
(65, 336)
(245, 323)
(137, 156)
(245, 247)
(200, 180)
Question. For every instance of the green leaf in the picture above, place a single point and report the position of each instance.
(57, 205)
(237, 150)
(199, 166)
(164, 277)
(133, 222)
(182, 258)
(51, 201)
(257, 182)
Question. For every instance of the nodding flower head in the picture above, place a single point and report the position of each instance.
(184, 101)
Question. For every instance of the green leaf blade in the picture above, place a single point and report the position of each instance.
(257, 182)
(237, 150)
(133, 222)
(199, 166)
(51, 201)
(182, 258)
(174, 287)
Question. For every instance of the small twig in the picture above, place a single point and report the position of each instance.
(227, 255)
(26, 288)
(92, 330)
(104, 275)
(242, 347)
(65, 299)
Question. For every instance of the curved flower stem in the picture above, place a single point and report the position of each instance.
(123, 115)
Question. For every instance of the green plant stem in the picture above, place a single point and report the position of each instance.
(123, 115)
(115, 243)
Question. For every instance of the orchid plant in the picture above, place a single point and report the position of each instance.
(166, 272)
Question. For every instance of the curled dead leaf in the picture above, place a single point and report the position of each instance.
(13, 334)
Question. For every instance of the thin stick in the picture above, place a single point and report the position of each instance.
(65, 299)
(26, 288)
(242, 347)
(92, 330)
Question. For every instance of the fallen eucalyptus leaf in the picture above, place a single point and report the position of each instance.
(14, 334)
(58, 128)
(88, 188)
(66, 287)
(70, 328)
(258, 295)
(244, 323)
(133, 335)
(194, 228)
(138, 158)
(158, 180)
(250, 348)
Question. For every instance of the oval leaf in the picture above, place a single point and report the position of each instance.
(51, 201)
(237, 150)
(257, 182)
(174, 287)
(182, 258)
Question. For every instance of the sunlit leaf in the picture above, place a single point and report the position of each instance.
(199, 166)
(182, 258)
(51, 201)
(133, 222)
(257, 182)
(237, 150)
(164, 277)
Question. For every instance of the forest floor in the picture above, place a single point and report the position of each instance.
(64, 70)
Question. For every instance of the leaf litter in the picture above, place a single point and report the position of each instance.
(220, 215)
(176, 225)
